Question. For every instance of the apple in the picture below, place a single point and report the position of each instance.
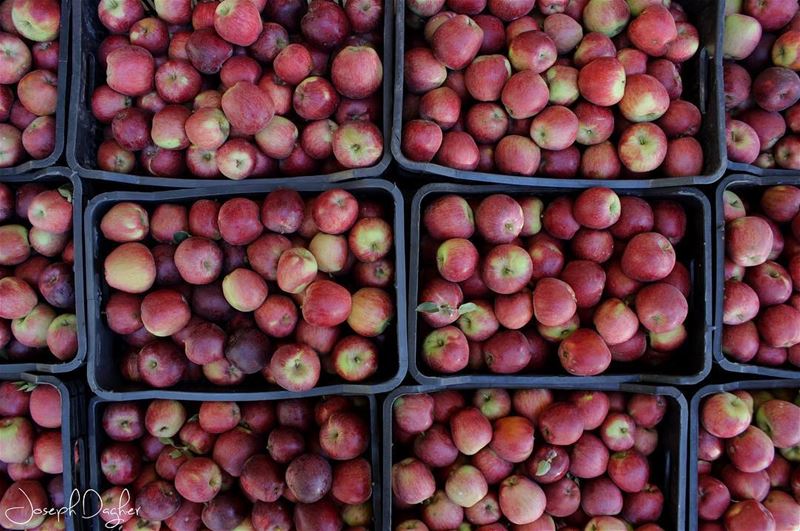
(363, 60)
(525, 94)
(36, 21)
(131, 129)
(776, 417)
(602, 81)
(124, 60)
(584, 353)
(344, 435)
(776, 89)
(19, 59)
(587, 459)
(238, 22)
(457, 41)
(748, 514)
(593, 46)
(412, 481)
(742, 33)
(516, 154)
(23, 504)
(645, 99)
(295, 367)
(725, 415)
(325, 24)
(506, 268)
(532, 50)
(555, 128)
(248, 108)
(521, 500)
(118, 17)
(357, 144)
(653, 30)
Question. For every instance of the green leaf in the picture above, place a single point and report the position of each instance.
(179, 236)
(166, 441)
(66, 192)
(176, 453)
(543, 468)
(428, 307)
(26, 387)
(467, 307)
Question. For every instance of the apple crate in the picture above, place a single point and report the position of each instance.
(61, 110)
(749, 188)
(667, 463)
(86, 134)
(55, 177)
(702, 85)
(700, 395)
(75, 471)
(103, 372)
(689, 365)
(98, 439)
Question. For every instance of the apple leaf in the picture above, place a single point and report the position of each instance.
(176, 453)
(26, 387)
(179, 236)
(166, 441)
(543, 468)
(467, 307)
(428, 307)
(66, 192)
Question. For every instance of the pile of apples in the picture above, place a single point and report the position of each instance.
(506, 282)
(29, 31)
(762, 88)
(228, 465)
(526, 459)
(287, 287)
(31, 459)
(748, 452)
(213, 88)
(561, 89)
(37, 284)
(761, 308)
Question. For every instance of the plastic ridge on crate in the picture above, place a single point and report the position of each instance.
(740, 181)
(96, 438)
(673, 435)
(103, 376)
(48, 176)
(697, 351)
(71, 442)
(704, 86)
(738, 167)
(61, 108)
(694, 429)
(84, 131)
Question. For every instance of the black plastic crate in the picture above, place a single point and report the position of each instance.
(85, 134)
(702, 85)
(691, 363)
(57, 176)
(103, 373)
(694, 429)
(97, 440)
(745, 184)
(673, 430)
(61, 110)
(72, 449)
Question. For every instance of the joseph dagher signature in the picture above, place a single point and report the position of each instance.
(28, 511)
